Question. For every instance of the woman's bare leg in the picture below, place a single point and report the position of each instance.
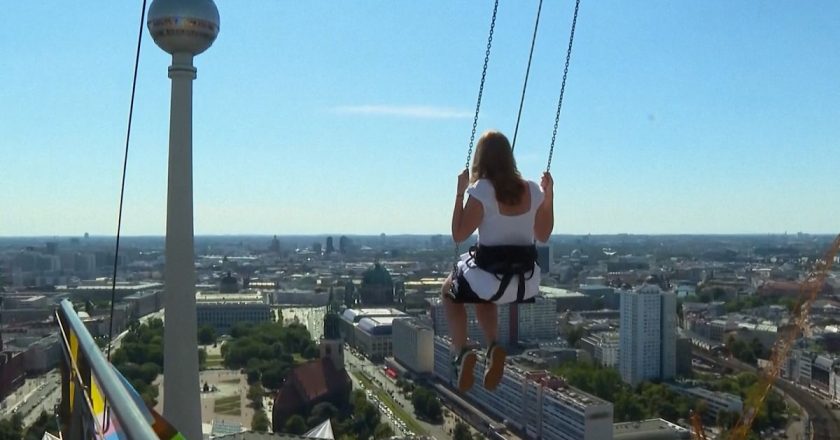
(456, 318)
(488, 319)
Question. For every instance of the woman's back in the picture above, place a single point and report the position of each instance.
(504, 224)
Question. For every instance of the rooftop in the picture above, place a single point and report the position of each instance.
(214, 297)
(651, 429)
(556, 292)
(354, 315)
(120, 287)
(378, 326)
(554, 386)
(413, 323)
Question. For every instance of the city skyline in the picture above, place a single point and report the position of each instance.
(699, 119)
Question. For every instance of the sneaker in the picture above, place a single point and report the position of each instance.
(465, 369)
(494, 366)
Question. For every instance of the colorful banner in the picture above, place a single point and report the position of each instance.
(101, 412)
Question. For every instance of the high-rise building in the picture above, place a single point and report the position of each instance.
(330, 247)
(344, 244)
(507, 323)
(538, 403)
(275, 245)
(545, 257)
(648, 333)
(537, 320)
(517, 322)
(413, 345)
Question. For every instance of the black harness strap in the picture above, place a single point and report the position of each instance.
(505, 262)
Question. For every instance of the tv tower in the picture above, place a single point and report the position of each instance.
(184, 29)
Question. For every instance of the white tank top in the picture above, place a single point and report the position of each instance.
(497, 229)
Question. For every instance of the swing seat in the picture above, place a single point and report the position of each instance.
(506, 263)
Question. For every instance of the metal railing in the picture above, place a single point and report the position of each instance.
(93, 396)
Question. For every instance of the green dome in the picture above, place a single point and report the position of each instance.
(377, 276)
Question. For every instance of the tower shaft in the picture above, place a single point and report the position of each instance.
(181, 403)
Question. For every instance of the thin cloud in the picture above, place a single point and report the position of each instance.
(409, 111)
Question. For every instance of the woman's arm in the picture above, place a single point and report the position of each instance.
(465, 219)
(544, 221)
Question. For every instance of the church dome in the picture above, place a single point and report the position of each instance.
(377, 276)
(228, 284)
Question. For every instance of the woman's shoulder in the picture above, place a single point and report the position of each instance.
(482, 189)
(533, 184)
(536, 191)
(482, 185)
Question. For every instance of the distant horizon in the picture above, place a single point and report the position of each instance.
(431, 234)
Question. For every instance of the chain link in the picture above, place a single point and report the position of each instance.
(562, 87)
(481, 85)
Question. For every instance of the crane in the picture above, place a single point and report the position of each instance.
(697, 432)
(808, 291)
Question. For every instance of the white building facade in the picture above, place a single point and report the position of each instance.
(413, 345)
(647, 336)
(536, 402)
(507, 332)
(537, 320)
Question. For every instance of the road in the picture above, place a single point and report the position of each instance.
(824, 423)
(38, 394)
(43, 393)
(387, 384)
(361, 365)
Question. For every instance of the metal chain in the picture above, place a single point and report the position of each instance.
(481, 85)
(480, 93)
(106, 420)
(562, 87)
(527, 73)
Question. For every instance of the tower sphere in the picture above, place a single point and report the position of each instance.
(183, 26)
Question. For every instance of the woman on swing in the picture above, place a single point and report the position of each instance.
(509, 213)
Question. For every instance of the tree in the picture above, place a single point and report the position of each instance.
(574, 335)
(758, 348)
(295, 425)
(206, 335)
(321, 412)
(252, 375)
(461, 432)
(202, 359)
(259, 423)
(726, 419)
(383, 430)
(311, 352)
(11, 429)
(43, 423)
(272, 378)
(426, 405)
(255, 395)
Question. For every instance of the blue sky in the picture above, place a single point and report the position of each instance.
(354, 116)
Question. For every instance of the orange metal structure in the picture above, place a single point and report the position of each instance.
(808, 291)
